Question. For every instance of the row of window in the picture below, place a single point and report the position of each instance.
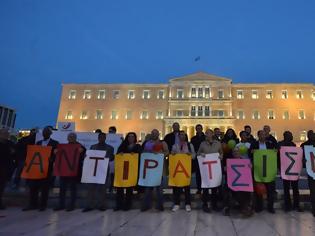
(195, 93)
(144, 115)
(269, 94)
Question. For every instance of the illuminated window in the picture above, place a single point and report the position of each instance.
(159, 115)
(303, 136)
(269, 94)
(131, 94)
(207, 92)
(313, 95)
(99, 115)
(286, 115)
(220, 94)
(84, 115)
(301, 115)
(101, 94)
(72, 94)
(128, 115)
(160, 94)
(299, 94)
(200, 92)
(115, 94)
(144, 115)
(239, 94)
(180, 93)
(193, 92)
(254, 94)
(207, 111)
(256, 115)
(284, 94)
(200, 111)
(179, 113)
(193, 111)
(146, 94)
(271, 115)
(87, 94)
(68, 115)
(114, 115)
(240, 115)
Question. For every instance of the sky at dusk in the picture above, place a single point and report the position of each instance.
(46, 43)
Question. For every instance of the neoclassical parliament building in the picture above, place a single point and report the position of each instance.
(198, 98)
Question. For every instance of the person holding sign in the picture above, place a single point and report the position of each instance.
(69, 168)
(42, 185)
(129, 145)
(287, 142)
(311, 180)
(186, 148)
(262, 144)
(196, 141)
(206, 147)
(154, 145)
(96, 192)
(6, 161)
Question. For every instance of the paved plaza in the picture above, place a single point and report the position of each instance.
(15, 222)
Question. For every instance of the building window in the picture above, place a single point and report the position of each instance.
(114, 115)
(207, 111)
(240, 115)
(286, 115)
(271, 115)
(207, 92)
(87, 94)
(303, 136)
(200, 92)
(284, 94)
(180, 93)
(200, 111)
(128, 115)
(299, 94)
(254, 94)
(160, 94)
(193, 92)
(313, 95)
(142, 136)
(193, 111)
(146, 94)
(159, 115)
(220, 94)
(115, 94)
(69, 115)
(256, 115)
(131, 94)
(301, 115)
(179, 113)
(144, 115)
(269, 94)
(84, 115)
(72, 94)
(101, 94)
(99, 115)
(220, 113)
(239, 94)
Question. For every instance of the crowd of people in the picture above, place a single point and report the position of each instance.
(12, 158)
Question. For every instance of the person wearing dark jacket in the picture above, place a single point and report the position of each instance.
(172, 138)
(311, 181)
(96, 193)
(20, 156)
(69, 181)
(6, 162)
(250, 137)
(42, 185)
(260, 144)
(287, 142)
(270, 138)
(196, 141)
(129, 145)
